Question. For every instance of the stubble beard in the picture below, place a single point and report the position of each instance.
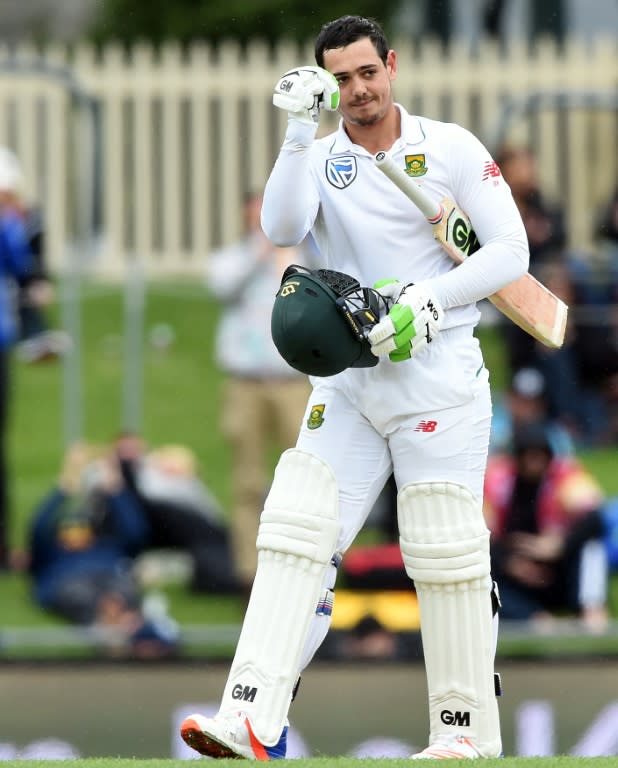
(366, 121)
(369, 120)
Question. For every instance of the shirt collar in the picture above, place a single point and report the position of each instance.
(411, 133)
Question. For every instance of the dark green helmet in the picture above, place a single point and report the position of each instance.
(320, 319)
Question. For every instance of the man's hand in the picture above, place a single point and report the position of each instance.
(304, 91)
(412, 322)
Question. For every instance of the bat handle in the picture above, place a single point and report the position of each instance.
(430, 209)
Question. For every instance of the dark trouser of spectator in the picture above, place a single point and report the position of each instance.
(32, 322)
(563, 591)
(520, 602)
(176, 526)
(78, 597)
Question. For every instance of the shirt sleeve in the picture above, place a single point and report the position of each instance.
(291, 199)
(481, 191)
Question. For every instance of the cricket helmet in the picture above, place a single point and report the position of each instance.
(320, 318)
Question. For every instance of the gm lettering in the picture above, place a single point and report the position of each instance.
(461, 719)
(246, 692)
(464, 237)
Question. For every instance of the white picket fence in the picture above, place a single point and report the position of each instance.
(181, 137)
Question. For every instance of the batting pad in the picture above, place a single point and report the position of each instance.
(296, 541)
(445, 548)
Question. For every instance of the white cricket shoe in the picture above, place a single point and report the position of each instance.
(449, 748)
(229, 736)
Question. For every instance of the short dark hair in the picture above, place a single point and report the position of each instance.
(349, 29)
(531, 437)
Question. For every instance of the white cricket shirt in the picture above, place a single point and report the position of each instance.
(364, 226)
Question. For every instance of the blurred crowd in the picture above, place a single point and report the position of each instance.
(124, 517)
(578, 383)
(119, 521)
(25, 293)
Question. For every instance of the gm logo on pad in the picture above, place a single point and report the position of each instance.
(246, 692)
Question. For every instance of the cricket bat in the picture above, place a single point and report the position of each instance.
(526, 301)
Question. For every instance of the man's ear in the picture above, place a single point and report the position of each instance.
(391, 64)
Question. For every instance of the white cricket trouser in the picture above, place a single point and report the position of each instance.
(364, 428)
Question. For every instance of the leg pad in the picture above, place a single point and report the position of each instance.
(445, 548)
(297, 538)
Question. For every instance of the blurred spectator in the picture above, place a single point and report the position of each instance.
(35, 290)
(84, 538)
(607, 232)
(544, 225)
(264, 398)
(370, 640)
(596, 338)
(15, 264)
(183, 515)
(579, 377)
(525, 402)
(548, 557)
(544, 222)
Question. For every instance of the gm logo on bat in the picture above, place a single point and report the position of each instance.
(462, 235)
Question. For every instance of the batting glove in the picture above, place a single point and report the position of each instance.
(304, 91)
(412, 322)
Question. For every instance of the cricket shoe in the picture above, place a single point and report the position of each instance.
(449, 748)
(229, 736)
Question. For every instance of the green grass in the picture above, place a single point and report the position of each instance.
(180, 402)
(339, 762)
(181, 392)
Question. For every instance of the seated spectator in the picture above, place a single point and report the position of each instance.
(84, 537)
(524, 403)
(182, 513)
(547, 558)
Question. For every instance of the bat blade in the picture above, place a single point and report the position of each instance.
(526, 301)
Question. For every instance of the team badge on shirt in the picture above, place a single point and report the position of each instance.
(341, 171)
(316, 416)
(415, 165)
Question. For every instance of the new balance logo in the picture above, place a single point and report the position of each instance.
(462, 719)
(243, 692)
(426, 426)
(491, 169)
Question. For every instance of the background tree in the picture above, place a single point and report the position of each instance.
(189, 21)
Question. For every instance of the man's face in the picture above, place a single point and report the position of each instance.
(521, 174)
(364, 81)
(533, 464)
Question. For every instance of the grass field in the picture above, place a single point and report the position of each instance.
(341, 762)
(179, 391)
